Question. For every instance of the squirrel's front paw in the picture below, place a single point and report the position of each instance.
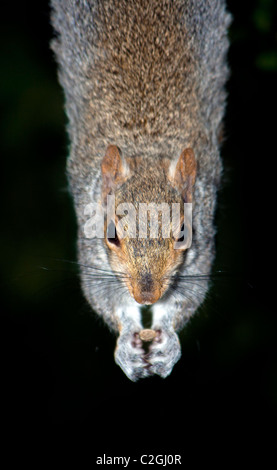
(164, 352)
(130, 356)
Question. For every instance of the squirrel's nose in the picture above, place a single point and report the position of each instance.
(146, 298)
(146, 291)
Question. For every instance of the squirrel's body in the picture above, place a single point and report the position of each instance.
(147, 77)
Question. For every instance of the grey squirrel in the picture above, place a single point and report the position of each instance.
(144, 95)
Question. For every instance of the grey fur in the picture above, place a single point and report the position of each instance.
(149, 77)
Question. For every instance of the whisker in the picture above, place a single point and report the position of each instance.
(184, 295)
(81, 265)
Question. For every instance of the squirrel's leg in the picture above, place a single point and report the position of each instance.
(129, 353)
(165, 349)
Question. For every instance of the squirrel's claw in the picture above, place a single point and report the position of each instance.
(163, 352)
(130, 356)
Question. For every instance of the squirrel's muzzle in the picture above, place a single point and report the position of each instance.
(146, 290)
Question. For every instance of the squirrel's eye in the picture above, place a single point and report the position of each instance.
(184, 238)
(112, 236)
(181, 235)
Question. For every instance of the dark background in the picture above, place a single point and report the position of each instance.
(59, 379)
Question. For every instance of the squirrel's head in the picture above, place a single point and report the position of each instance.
(147, 229)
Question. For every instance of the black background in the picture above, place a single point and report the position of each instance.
(60, 385)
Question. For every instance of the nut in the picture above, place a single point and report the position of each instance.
(147, 335)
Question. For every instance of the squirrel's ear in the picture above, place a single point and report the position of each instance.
(114, 170)
(184, 173)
